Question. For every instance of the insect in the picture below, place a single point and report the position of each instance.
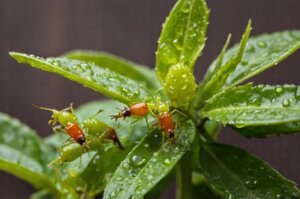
(103, 131)
(91, 126)
(69, 121)
(136, 110)
(165, 121)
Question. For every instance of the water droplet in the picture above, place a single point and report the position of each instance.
(244, 62)
(137, 160)
(184, 87)
(126, 165)
(146, 145)
(285, 102)
(279, 89)
(260, 86)
(251, 183)
(167, 161)
(184, 75)
(262, 44)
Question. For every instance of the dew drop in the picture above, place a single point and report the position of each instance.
(262, 44)
(126, 165)
(285, 102)
(146, 145)
(177, 44)
(279, 90)
(184, 87)
(167, 161)
(137, 160)
(78, 68)
(184, 75)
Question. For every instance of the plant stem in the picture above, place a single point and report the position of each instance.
(184, 177)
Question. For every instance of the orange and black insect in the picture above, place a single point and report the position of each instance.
(68, 120)
(75, 132)
(165, 121)
(135, 110)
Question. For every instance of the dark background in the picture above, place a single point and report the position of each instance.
(128, 28)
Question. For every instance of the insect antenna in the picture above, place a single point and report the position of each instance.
(43, 108)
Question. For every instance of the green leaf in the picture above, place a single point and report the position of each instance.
(149, 162)
(218, 64)
(119, 65)
(90, 75)
(265, 130)
(219, 77)
(261, 53)
(22, 154)
(183, 36)
(234, 173)
(255, 105)
(97, 168)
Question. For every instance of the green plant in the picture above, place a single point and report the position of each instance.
(203, 168)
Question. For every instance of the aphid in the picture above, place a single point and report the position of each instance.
(69, 121)
(103, 131)
(165, 121)
(135, 110)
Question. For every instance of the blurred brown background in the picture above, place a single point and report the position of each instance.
(128, 28)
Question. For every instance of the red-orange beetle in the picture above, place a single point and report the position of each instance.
(167, 126)
(136, 110)
(75, 132)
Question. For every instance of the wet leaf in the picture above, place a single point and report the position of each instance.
(22, 154)
(96, 169)
(102, 80)
(264, 130)
(255, 105)
(218, 79)
(234, 173)
(218, 64)
(261, 53)
(119, 65)
(148, 163)
(183, 36)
